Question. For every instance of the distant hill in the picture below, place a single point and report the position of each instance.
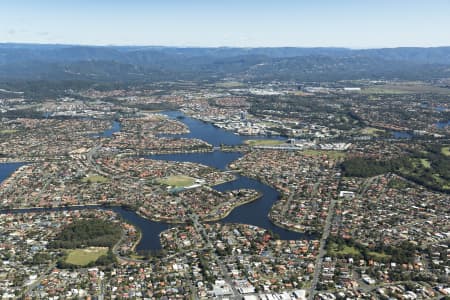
(152, 63)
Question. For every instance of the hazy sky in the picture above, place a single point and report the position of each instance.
(243, 23)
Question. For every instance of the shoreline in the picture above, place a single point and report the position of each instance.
(292, 228)
(207, 220)
(223, 181)
(228, 212)
(196, 117)
(269, 216)
(138, 240)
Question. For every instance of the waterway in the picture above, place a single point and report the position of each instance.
(442, 125)
(6, 169)
(401, 134)
(254, 213)
(150, 230)
(210, 133)
(116, 126)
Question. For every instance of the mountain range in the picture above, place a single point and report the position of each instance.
(154, 63)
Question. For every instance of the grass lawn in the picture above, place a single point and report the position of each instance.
(383, 90)
(405, 88)
(378, 256)
(137, 256)
(353, 251)
(419, 164)
(82, 257)
(95, 179)
(178, 180)
(263, 142)
(372, 131)
(425, 162)
(330, 153)
(346, 250)
(446, 150)
(8, 131)
(229, 84)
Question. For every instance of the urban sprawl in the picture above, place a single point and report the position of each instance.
(361, 168)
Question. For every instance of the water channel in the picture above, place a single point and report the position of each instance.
(254, 213)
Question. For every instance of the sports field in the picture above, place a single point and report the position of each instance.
(82, 257)
(178, 180)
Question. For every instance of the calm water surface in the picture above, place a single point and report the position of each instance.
(254, 213)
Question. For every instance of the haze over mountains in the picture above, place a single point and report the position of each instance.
(136, 63)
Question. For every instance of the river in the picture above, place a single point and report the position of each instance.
(150, 230)
(210, 133)
(443, 124)
(6, 169)
(254, 213)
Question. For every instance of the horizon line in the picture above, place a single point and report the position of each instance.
(216, 47)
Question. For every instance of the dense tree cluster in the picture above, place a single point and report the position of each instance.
(368, 167)
(403, 252)
(436, 176)
(88, 233)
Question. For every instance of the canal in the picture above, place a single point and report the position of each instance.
(254, 213)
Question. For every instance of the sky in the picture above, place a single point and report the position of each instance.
(234, 23)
